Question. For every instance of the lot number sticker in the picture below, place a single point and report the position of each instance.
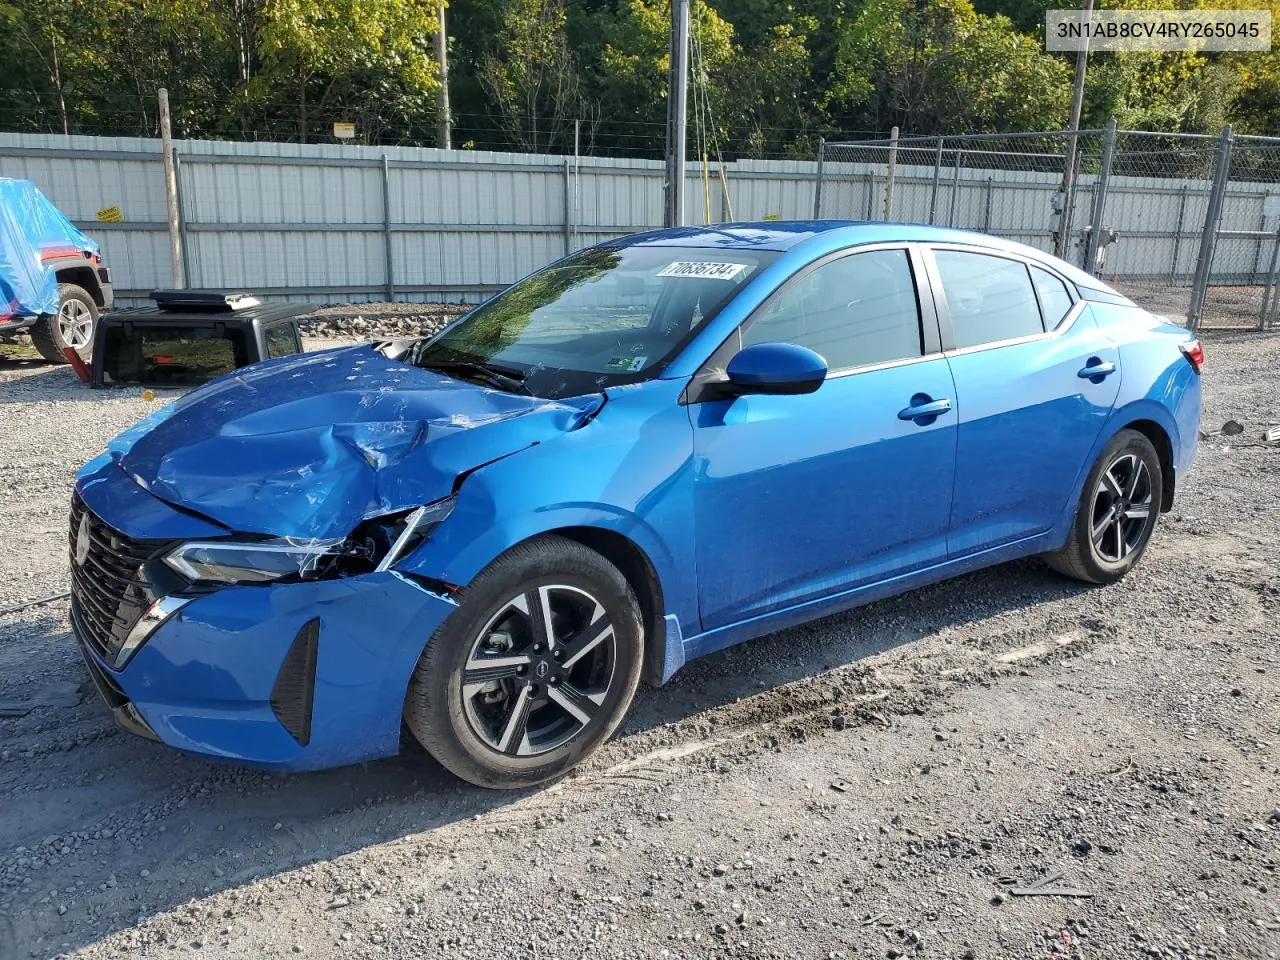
(701, 268)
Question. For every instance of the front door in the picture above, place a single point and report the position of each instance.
(800, 497)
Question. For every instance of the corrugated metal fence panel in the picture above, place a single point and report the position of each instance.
(308, 219)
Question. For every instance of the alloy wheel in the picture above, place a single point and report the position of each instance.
(1122, 505)
(538, 672)
(75, 324)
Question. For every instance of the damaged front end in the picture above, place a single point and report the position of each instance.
(309, 448)
(234, 558)
(375, 545)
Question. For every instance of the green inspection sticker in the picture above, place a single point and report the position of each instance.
(627, 364)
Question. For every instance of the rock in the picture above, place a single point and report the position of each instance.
(719, 870)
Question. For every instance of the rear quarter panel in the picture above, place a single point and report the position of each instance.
(1157, 384)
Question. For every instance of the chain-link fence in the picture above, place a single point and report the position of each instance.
(1180, 223)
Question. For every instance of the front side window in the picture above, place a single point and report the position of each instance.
(989, 298)
(855, 311)
(602, 317)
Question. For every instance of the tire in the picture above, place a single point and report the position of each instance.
(76, 310)
(1126, 481)
(498, 706)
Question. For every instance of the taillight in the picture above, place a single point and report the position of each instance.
(1194, 354)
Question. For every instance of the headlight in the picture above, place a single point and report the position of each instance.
(214, 561)
(375, 545)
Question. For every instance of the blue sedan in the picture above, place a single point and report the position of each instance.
(643, 453)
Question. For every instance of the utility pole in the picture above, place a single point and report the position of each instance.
(677, 112)
(444, 139)
(170, 191)
(1067, 191)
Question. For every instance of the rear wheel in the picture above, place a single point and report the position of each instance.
(72, 326)
(535, 669)
(1116, 514)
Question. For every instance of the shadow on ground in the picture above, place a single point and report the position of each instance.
(146, 828)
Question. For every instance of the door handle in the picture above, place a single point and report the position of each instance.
(924, 409)
(1096, 370)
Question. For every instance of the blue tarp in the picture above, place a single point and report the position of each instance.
(32, 230)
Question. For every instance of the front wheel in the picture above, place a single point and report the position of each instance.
(535, 669)
(1116, 514)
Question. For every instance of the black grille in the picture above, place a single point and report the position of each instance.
(108, 594)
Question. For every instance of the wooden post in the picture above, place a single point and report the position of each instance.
(170, 192)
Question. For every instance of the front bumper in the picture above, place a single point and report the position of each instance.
(205, 680)
(293, 676)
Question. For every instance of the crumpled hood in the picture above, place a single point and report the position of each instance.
(310, 445)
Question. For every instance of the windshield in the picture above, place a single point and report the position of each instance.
(600, 318)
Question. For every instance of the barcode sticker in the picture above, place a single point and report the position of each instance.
(702, 268)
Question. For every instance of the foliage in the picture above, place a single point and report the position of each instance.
(941, 66)
(768, 76)
(532, 77)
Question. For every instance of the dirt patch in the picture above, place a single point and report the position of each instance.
(874, 784)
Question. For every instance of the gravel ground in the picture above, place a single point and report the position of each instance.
(876, 784)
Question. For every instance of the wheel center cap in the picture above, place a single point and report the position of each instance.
(542, 669)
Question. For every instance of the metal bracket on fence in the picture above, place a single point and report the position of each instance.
(387, 250)
(889, 174)
(937, 175)
(1177, 236)
(817, 186)
(1209, 235)
(568, 206)
(182, 219)
(955, 190)
(1269, 289)
(1100, 199)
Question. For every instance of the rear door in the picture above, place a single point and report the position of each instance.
(1035, 381)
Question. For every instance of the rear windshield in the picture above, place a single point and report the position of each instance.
(170, 356)
(602, 317)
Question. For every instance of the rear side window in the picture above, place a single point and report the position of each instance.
(171, 356)
(282, 340)
(854, 311)
(989, 298)
(1055, 302)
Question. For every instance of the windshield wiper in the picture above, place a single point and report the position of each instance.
(492, 374)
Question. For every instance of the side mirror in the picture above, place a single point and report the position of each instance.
(775, 368)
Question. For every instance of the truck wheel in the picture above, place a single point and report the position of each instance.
(72, 326)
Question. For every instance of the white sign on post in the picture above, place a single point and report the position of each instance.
(344, 131)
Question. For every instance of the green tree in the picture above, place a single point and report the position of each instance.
(939, 66)
(336, 40)
(532, 76)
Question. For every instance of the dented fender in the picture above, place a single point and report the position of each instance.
(627, 470)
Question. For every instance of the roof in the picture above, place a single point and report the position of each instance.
(783, 235)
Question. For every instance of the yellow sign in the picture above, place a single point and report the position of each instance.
(772, 216)
(110, 215)
(344, 131)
